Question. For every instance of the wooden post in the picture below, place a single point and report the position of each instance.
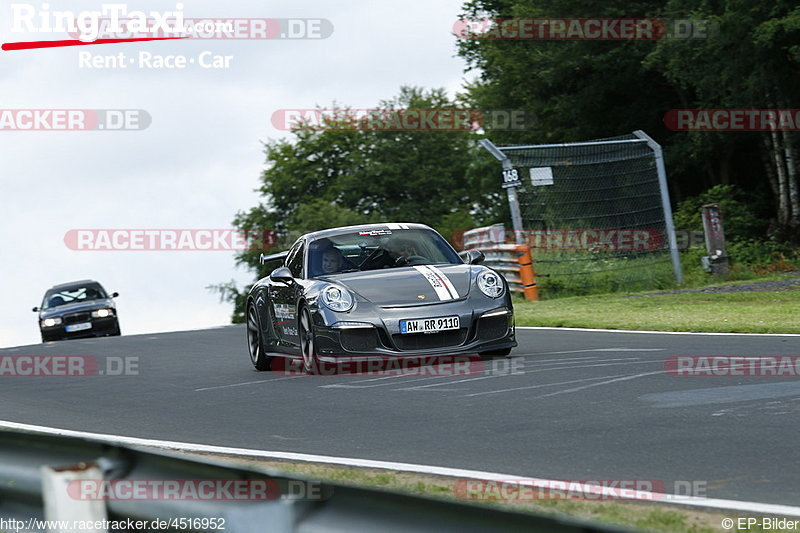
(717, 260)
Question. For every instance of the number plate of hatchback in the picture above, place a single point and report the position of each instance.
(79, 327)
(429, 325)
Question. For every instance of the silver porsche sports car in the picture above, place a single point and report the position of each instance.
(376, 291)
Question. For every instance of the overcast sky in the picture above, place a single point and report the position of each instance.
(199, 161)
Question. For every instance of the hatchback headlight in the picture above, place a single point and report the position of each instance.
(102, 313)
(337, 298)
(490, 284)
(50, 322)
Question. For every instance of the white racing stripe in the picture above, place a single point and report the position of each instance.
(654, 497)
(447, 283)
(438, 285)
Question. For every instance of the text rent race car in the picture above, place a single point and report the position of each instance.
(376, 291)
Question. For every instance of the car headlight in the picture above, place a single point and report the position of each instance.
(50, 322)
(102, 313)
(337, 298)
(490, 284)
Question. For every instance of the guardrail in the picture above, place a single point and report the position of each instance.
(513, 261)
(39, 473)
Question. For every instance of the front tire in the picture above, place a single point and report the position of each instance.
(255, 340)
(308, 345)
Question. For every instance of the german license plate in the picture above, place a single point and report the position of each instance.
(429, 325)
(78, 327)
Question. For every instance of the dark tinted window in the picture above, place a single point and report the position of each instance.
(295, 259)
(73, 294)
(377, 249)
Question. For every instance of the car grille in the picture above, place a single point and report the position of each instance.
(359, 339)
(76, 318)
(429, 341)
(493, 327)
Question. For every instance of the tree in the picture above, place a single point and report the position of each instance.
(751, 62)
(343, 172)
(586, 89)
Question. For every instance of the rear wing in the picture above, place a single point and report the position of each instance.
(281, 256)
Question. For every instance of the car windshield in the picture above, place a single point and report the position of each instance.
(76, 293)
(378, 249)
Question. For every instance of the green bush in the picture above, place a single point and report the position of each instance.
(739, 218)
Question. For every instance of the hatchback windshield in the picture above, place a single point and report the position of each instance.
(378, 249)
(76, 293)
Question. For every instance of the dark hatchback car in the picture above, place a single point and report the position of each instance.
(76, 310)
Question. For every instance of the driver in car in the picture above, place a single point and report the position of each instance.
(401, 250)
(332, 260)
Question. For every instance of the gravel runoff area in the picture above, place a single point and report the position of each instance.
(791, 283)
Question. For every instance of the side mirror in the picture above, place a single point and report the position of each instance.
(475, 257)
(35, 309)
(114, 294)
(282, 275)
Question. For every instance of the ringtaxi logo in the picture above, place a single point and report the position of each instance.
(116, 23)
(733, 366)
(225, 240)
(74, 119)
(86, 24)
(67, 366)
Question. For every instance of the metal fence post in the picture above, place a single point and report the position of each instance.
(513, 201)
(662, 183)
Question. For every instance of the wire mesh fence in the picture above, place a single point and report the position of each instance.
(594, 215)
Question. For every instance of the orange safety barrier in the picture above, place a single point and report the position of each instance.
(527, 273)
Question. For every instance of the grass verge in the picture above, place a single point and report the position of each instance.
(745, 312)
(648, 517)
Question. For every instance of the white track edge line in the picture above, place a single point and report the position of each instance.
(653, 497)
(553, 328)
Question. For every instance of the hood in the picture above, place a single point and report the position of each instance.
(77, 307)
(413, 285)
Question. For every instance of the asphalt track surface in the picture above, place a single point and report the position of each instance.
(575, 405)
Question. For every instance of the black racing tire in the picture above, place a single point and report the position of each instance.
(491, 354)
(255, 340)
(308, 345)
